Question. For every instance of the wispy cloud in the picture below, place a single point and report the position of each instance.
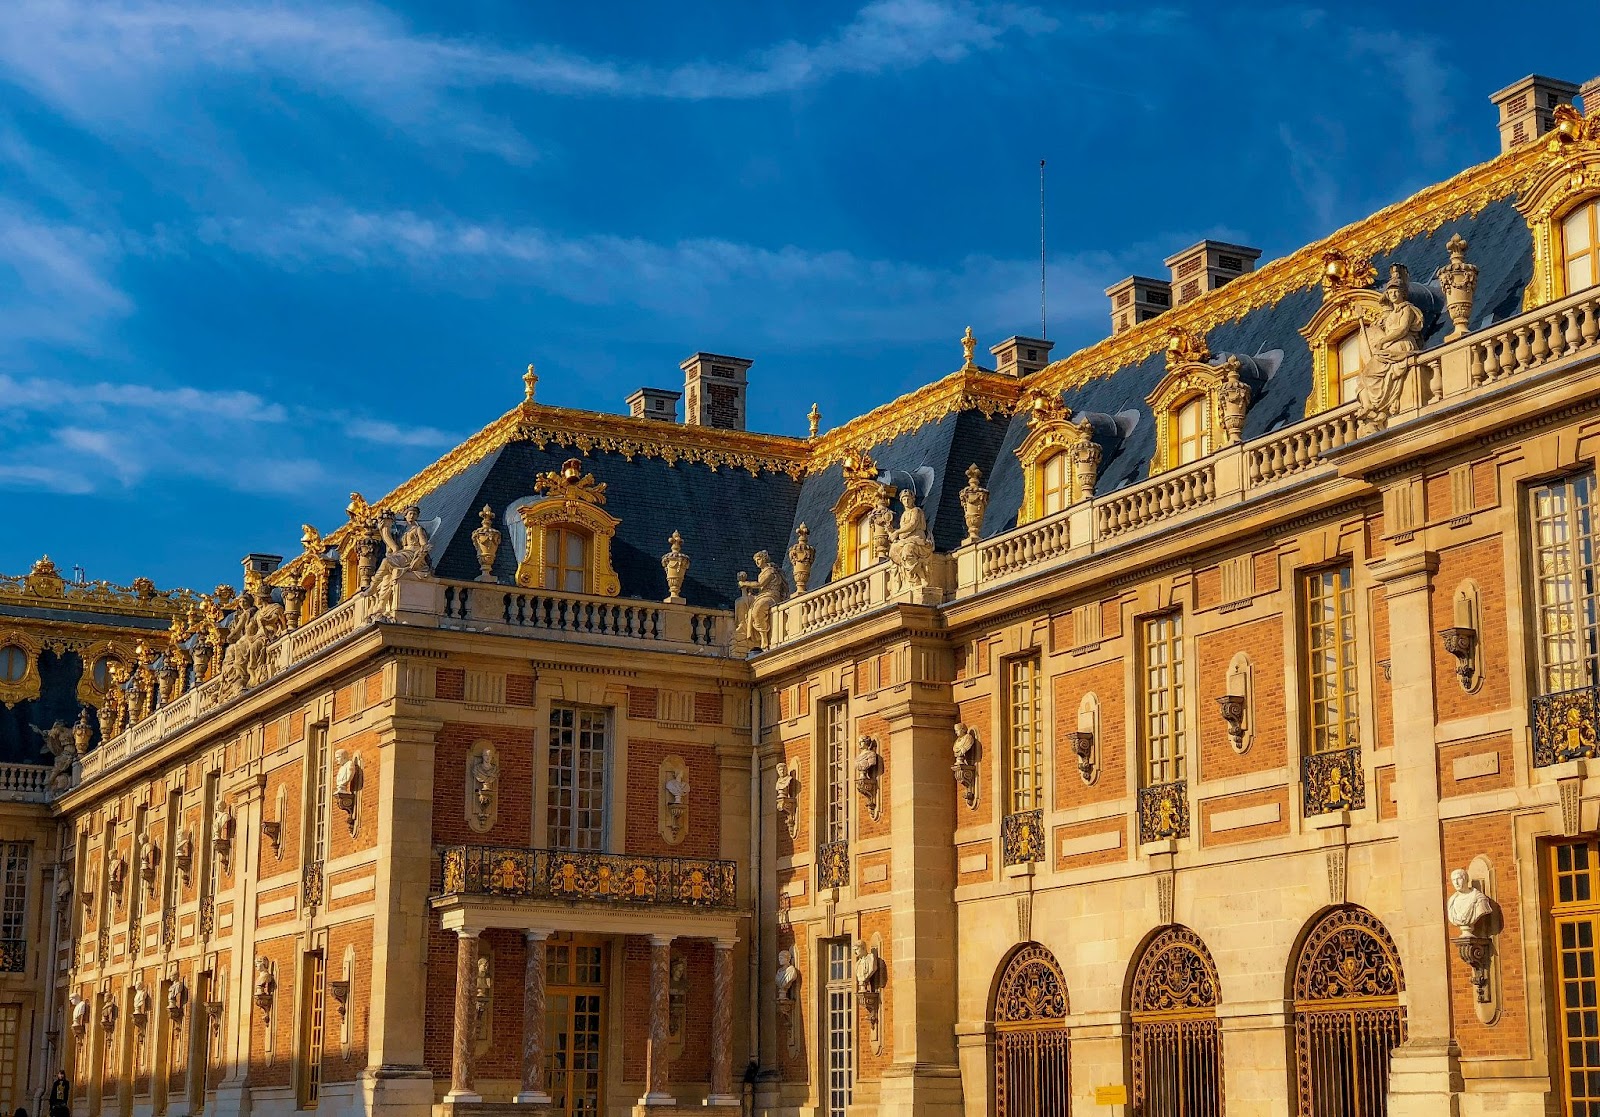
(385, 433)
(57, 278)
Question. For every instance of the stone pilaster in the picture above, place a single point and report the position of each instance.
(1425, 1075)
(464, 1035)
(397, 1081)
(657, 1055)
(534, 1088)
(243, 793)
(920, 992)
(722, 1025)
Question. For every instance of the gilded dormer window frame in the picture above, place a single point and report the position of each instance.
(91, 693)
(1348, 302)
(27, 687)
(1051, 431)
(572, 500)
(1568, 178)
(861, 492)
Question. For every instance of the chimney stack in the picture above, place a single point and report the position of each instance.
(1021, 356)
(1137, 299)
(1206, 266)
(1526, 107)
(1589, 95)
(714, 390)
(655, 403)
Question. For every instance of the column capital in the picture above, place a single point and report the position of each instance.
(661, 940)
(410, 730)
(531, 935)
(1407, 573)
(468, 932)
(725, 944)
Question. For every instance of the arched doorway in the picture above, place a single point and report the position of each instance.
(1030, 1036)
(1175, 1036)
(1347, 1015)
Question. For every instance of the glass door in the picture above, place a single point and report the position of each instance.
(574, 1035)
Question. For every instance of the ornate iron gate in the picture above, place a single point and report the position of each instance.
(1175, 1035)
(1347, 1016)
(1030, 1042)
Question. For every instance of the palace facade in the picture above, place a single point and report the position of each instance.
(1199, 723)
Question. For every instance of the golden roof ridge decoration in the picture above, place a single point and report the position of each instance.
(570, 482)
(1464, 193)
(45, 585)
(966, 389)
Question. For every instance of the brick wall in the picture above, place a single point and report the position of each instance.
(704, 837)
(1105, 681)
(867, 826)
(1483, 562)
(1262, 641)
(513, 823)
(1491, 837)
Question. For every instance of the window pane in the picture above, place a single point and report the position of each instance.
(836, 750)
(1165, 746)
(1562, 538)
(1331, 671)
(1348, 359)
(1025, 743)
(576, 804)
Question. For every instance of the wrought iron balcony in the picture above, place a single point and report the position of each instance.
(1332, 781)
(1022, 837)
(13, 955)
(601, 878)
(1564, 725)
(833, 864)
(1164, 811)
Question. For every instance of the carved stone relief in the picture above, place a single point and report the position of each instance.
(965, 767)
(787, 789)
(1085, 741)
(1237, 705)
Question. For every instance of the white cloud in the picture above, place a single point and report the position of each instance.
(59, 289)
(393, 434)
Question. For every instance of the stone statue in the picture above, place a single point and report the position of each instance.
(786, 788)
(964, 752)
(1397, 336)
(966, 744)
(141, 1002)
(866, 969)
(486, 541)
(676, 564)
(801, 555)
(80, 1014)
(247, 660)
(183, 853)
(485, 773)
(112, 710)
(880, 524)
(222, 830)
(1459, 282)
(405, 558)
(117, 873)
(60, 742)
(869, 767)
(482, 986)
(347, 767)
(788, 976)
(974, 499)
(911, 549)
(265, 984)
(677, 790)
(177, 997)
(108, 1015)
(1468, 906)
(1235, 398)
(149, 861)
(769, 589)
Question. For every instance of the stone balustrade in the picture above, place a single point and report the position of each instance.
(24, 783)
(1446, 374)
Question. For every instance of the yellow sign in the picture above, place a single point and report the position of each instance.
(1111, 1095)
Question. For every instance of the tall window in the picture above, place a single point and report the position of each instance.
(1053, 484)
(1580, 246)
(14, 890)
(566, 559)
(835, 720)
(10, 1025)
(1024, 747)
(841, 1035)
(1331, 659)
(576, 813)
(861, 542)
(1347, 358)
(1574, 921)
(574, 1040)
(314, 973)
(317, 788)
(1165, 748)
(1565, 589)
(1193, 434)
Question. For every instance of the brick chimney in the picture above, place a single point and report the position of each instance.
(1206, 266)
(1526, 107)
(655, 403)
(1589, 95)
(1021, 356)
(1137, 299)
(713, 390)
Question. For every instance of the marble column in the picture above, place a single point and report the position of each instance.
(466, 1028)
(659, 1055)
(722, 1025)
(534, 1087)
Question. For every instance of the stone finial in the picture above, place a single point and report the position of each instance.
(1234, 395)
(801, 555)
(676, 564)
(530, 381)
(969, 345)
(486, 541)
(974, 499)
(814, 417)
(1459, 282)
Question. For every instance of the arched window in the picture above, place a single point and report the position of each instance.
(13, 664)
(1054, 477)
(861, 542)
(1175, 1037)
(1347, 1015)
(1191, 431)
(1580, 246)
(1347, 366)
(1030, 1036)
(566, 558)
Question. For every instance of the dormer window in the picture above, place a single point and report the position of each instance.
(1346, 371)
(1580, 246)
(863, 498)
(1055, 475)
(861, 542)
(1199, 407)
(1060, 459)
(1191, 431)
(566, 547)
(566, 558)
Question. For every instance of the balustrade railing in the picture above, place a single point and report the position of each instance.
(1295, 449)
(602, 878)
(26, 782)
(584, 617)
(1038, 542)
(1161, 497)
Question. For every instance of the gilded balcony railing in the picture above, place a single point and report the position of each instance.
(833, 865)
(13, 955)
(1332, 781)
(1564, 725)
(1022, 837)
(1164, 811)
(601, 878)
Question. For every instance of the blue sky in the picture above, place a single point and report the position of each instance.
(256, 256)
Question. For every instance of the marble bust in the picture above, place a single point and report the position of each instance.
(1467, 906)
